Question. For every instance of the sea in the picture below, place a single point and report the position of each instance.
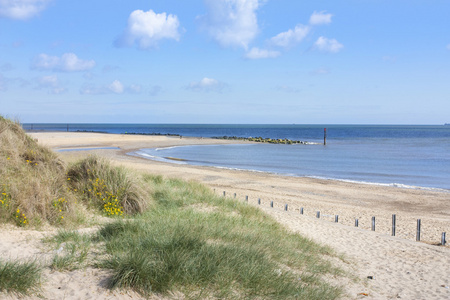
(407, 156)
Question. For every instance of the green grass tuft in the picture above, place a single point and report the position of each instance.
(20, 278)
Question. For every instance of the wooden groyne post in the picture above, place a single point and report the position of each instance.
(393, 224)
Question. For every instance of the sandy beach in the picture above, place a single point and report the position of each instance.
(385, 267)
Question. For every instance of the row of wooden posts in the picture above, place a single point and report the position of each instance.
(336, 220)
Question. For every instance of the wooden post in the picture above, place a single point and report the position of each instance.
(443, 241)
(318, 214)
(324, 136)
(301, 210)
(356, 223)
(259, 201)
(393, 224)
(285, 207)
(373, 223)
(271, 203)
(224, 193)
(418, 230)
(336, 218)
(246, 198)
(234, 195)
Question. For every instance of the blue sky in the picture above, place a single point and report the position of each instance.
(225, 61)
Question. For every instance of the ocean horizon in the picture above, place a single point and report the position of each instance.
(414, 156)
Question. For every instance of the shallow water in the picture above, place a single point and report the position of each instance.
(407, 155)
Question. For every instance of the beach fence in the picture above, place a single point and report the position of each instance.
(285, 207)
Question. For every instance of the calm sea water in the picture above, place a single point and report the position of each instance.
(413, 156)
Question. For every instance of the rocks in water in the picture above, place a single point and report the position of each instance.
(261, 140)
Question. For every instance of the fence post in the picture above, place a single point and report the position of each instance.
(285, 207)
(443, 241)
(336, 218)
(224, 193)
(259, 201)
(418, 230)
(373, 223)
(246, 198)
(271, 203)
(234, 195)
(301, 210)
(356, 223)
(318, 214)
(393, 224)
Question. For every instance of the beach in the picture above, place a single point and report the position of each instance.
(385, 267)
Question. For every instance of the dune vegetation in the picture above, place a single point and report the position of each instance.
(161, 236)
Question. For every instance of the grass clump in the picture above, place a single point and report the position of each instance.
(72, 249)
(206, 246)
(112, 190)
(32, 178)
(20, 278)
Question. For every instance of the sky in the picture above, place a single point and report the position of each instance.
(225, 61)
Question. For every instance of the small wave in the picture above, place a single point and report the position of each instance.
(397, 185)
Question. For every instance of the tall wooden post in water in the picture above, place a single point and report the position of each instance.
(324, 136)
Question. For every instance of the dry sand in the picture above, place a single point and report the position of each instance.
(399, 266)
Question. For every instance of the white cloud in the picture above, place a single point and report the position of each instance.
(51, 84)
(116, 87)
(319, 18)
(68, 62)
(206, 85)
(232, 23)
(291, 37)
(256, 53)
(328, 45)
(22, 9)
(146, 29)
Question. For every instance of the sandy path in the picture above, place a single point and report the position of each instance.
(400, 267)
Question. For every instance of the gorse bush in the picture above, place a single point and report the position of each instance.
(113, 190)
(32, 177)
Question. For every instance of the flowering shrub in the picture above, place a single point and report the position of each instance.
(20, 218)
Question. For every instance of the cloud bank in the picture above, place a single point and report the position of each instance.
(68, 62)
(22, 9)
(147, 29)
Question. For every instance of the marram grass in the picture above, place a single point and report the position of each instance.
(20, 278)
(112, 190)
(205, 246)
